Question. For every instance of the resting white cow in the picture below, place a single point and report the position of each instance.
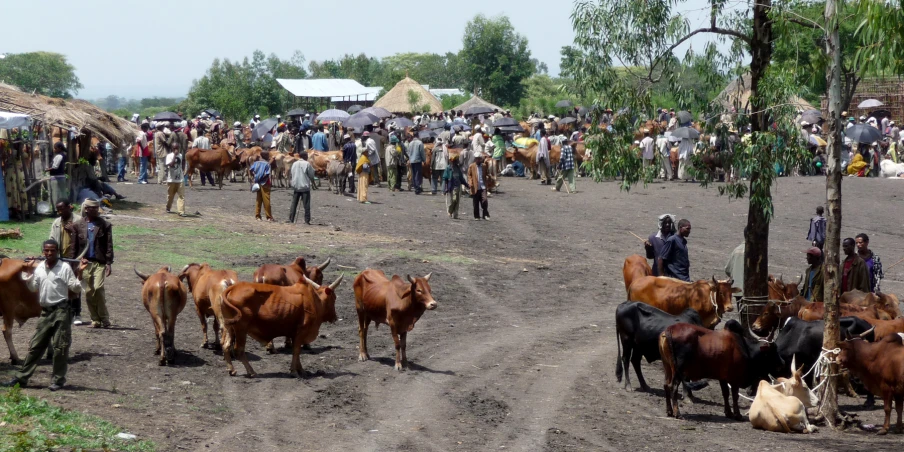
(782, 407)
(890, 168)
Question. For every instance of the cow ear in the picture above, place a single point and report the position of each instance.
(328, 291)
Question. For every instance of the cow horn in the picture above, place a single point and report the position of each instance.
(140, 275)
(325, 264)
(793, 363)
(185, 268)
(84, 252)
(410, 279)
(427, 278)
(781, 277)
(338, 281)
(316, 286)
(866, 333)
(169, 269)
(757, 336)
(714, 280)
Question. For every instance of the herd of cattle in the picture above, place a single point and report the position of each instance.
(288, 301)
(674, 321)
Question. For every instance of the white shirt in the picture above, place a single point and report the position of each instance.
(685, 148)
(647, 145)
(663, 144)
(201, 142)
(142, 139)
(53, 285)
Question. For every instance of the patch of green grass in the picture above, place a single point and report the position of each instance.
(33, 424)
(34, 233)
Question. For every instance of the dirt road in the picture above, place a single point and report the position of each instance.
(519, 355)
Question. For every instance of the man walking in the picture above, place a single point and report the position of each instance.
(174, 181)
(813, 281)
(302, 173)
(438, 165)
(416, 157)
(675, 262)
(349, 156)
(53, 280)
(63, 232)
(817, 233)
(202, 142)
(647, 146)
(143, 153)
(260, 174)
(543, 159)
(566, 168)
(478, 186)
(662, 143)
(161, 148)
(94, 232)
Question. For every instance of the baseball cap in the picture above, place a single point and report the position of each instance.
(815, 251)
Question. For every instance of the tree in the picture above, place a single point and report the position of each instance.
(438, 71)
(45, 73)
(496, 60)
(611, 33)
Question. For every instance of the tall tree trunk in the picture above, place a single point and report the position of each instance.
(756, 249)
(833, 199)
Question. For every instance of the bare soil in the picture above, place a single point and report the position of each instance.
(519, 355)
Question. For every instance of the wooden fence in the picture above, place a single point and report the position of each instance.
(890, 91)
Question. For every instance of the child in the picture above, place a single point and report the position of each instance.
(817, 233)
(453, 179)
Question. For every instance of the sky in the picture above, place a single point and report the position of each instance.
(145, 49)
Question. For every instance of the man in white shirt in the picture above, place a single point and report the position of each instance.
(662, 143)
(647, 145)
(202, 142)
(53, 279)
(685, 151)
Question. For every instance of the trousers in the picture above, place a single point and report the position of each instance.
(176, 189)
(143, 171)
(392, 176)
(120, 170)
(436, 180)
(363, 181)
(305, 197)
(566, 175)
(417, 177)
(666, 166)
(263, 199)
(95, 295)
(480, 201)
(54, 329)
(161, 169)
(543, 170)
(453, 200)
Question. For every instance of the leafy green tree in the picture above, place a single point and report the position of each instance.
(438, 71)
(496, 59)
(45, 73)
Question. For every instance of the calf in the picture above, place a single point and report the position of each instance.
(393, 302)
(776, 412)
(880, 366)
(337, 175)
(691, 352)
(17, 303)
(886, 304)
(635, 267)
(710, 299)
(637, 330)
(204, 284)
(265, 312)
(780, 290)
(164, 298)
(287, 275)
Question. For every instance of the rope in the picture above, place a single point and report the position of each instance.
(739, 393)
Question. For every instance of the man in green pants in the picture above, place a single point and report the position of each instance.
(566, 168)
(53, 279)
(96, 234)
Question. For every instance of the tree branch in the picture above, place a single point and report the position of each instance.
(711, 29)
(805, 24)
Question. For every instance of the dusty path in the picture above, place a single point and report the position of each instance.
(510, 360)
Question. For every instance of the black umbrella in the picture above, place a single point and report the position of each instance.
(379, 112)
(297, 112)
(478, 110)
(461, 127)
(354, 109)
(684, 117)
(213, 113)
(332, 115)
(437, 125)
(166, 116)
(401, 122)
(863, 133)
(512, 129)
(263, 128)
(567, 120)
(360, 119)
(564, 104)
(503, 122)
(583, 111)
(686, 132)
(425, 134)
(879, 114)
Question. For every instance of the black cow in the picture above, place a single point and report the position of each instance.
(637, 329)
(803, 340)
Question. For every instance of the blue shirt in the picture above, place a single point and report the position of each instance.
(318, 142)
(92, 232)
(675, 262)
(349, 152)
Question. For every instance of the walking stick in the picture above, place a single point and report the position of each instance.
(638, 237)
(892, 265)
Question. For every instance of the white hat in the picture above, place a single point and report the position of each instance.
(891, 122)
(257, 116)
(551, 117)
(307, 115)
(278, 116)
(237, 124)
(805, 123)
(184, 124)
(862, 118)
(346, 137)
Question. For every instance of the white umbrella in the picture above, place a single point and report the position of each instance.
(870, 103)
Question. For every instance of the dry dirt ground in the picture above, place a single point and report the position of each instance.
(519, 355)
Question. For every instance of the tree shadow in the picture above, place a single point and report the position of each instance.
(88, 356)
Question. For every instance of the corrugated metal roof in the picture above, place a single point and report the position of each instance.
(327, 87)
(369, 95)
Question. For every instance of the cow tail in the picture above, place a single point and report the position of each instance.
(668, 358)
(619, 370)
(161, 308)
(225, 300)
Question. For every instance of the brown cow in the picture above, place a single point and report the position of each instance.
(882, 328)
(710, 299)
(636, 267)
(265, 312)
(17, 303)
(392, 302)
(164, 298)
(780, 290)
(776, 313)
(217, 160)
(887, 304)
(204, 284)
(816, 311)
(528, 158)
(320, 159)
(880, 365)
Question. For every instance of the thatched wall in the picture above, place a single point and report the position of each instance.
(890, 91)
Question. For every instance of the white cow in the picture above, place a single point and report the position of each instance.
(891, 169)
(782, 407)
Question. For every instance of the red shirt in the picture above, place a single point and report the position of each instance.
(844, 275)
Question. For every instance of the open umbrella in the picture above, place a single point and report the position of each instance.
(583, 111)
(401, 122)
(812, 119)
(354, 109)
(166, 116)
(437, 125)
(213, 113)
(332, 115)
(564, 104)
(686, 132)
(815, 139)
(879, 114)
(262, 129)
(567, 120)
(379, 112)
(512, 129)
(504, 122)
(461, 127)
(684, 117)
(870, 103)
(360, 119)
(478, 110)
(425, 134)
(863, 133)
(296, 112)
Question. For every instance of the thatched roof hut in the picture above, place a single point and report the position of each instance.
(476, 101)
(68, 113)
(737, 94)
(396, 100)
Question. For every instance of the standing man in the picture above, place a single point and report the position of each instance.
(59, 185)
(685, 150)
(478, 186)
(97, 234)
(416, 157)
(319, 140)
(53, 280)
(647, 146)
(662, 143)
(238, 137)
(143, 153)
(674, 261)
(370, 146)
(122, 163)
(302, 173)
(161, 148)
(282, 140)
(566, 168)
(872, 261)
(393, 154)
(362, 167)
(202, 142)
(349, 157)
(63, 231)
(174, 181)
(813, 280)
(854, 273)
(260, 174)
(543, 159)
(735, 268)
(656, 242)
(817, 233)
(438, 165)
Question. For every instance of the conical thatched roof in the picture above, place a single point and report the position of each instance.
(68, 113)
(396, 100)
(476, 101)
(737, 94)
